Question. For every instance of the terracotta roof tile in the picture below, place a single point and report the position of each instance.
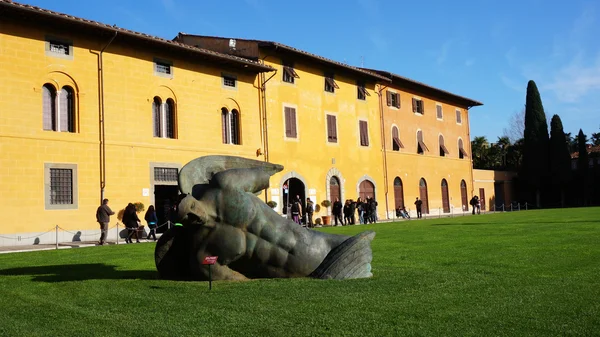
(114, 28)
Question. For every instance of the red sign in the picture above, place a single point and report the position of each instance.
(210, 260)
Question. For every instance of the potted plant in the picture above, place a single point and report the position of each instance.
(272, 203)
(326, 218)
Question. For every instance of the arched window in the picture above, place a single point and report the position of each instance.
(66, 111)
(156, 114)
(396, 143)
(461, 150)
(235, 126)
(423, 195)
(398, 193)
(443, 149)
(163, 118)
(230, 126)
(170, 118)
(58, 108)
(49, 107)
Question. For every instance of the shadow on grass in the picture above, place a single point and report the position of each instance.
(79, 272)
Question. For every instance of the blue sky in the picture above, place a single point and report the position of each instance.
(482, 49)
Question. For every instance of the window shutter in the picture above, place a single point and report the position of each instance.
(364, 134)
(156, 117)
(293, 123)
(329, 128)
(48, 103)
(388, 96)
(414, 105)
(235, 127)
(224, 125)
(334, 128)
(288, 128)
(170, 118)
(63, 116)
(458, 117)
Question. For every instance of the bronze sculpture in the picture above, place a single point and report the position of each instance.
(222, 215)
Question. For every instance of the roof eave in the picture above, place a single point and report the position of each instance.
(121, 31)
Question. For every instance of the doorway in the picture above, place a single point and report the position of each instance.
(398, 193)
(445, 198)
(482, 198)
(291, 188)
(463, 195)
(366, 189)
(165, 196)
(423, 195)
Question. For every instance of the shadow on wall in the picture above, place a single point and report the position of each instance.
(79, 272)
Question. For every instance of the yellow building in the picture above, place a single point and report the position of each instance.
(92, 111)
(393, 108)
(427, 146)
(495, 189)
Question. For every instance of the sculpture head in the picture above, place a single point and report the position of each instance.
(192, 213)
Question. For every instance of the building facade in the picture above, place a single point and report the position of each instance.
(92, 111)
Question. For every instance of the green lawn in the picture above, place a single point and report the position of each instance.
(522, 273)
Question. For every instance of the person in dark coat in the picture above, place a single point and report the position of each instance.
(103, 214)
(152, 220)
(131, 222)
(418, 205)
(337, 211)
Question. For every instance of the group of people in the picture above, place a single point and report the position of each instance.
(130, 219)
(343, 214)
(366, 210)
(476, 203)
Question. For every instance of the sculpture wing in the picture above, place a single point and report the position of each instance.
(200, 171)
(351, 259)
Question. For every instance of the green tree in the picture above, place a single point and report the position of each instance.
(560, 159)
(514, 156)
(535, 143)
(583, 168)
(479, 149)
(596, 138)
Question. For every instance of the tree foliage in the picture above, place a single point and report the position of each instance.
(560, 159)
(535, 142)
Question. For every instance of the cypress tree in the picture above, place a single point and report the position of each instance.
(560, 159)
(535, 143)
(583, 168)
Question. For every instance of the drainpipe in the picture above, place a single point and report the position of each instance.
(385, 173)
(262, 82)
(471, 153)
(101, 118)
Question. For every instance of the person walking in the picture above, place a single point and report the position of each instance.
(103, 214)
(309, 212)
(418, 205)
(337, 211)
(152, 220)
(131, 221)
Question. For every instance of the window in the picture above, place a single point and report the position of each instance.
(396, 144)
(166, 174)
(330, 84)
(421, 147)
(230, 126)
(439, 112)
(461, 151)
(163, 118)
(393, 99)
(60, 182)
(59, 48)
(229, 81)
(290, 122)
(331, 129)
(162, 67)
(362, 92)
(458, 117)
(58, 108)
(443, 149)
(417, 106)
(364, 133)
(289, 74)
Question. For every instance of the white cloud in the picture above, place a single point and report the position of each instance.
(512, 84)
(443, 53)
